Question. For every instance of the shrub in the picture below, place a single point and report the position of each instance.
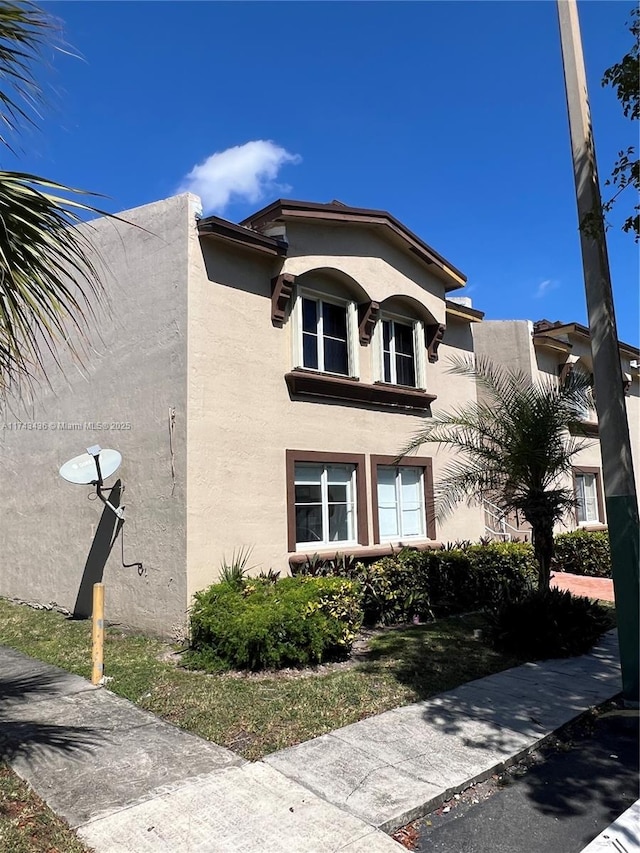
(263, 624)
(547, 625)
(456, 580)
(583, 552)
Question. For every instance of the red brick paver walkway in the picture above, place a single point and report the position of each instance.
(591, 587)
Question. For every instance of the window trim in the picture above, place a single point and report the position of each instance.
(586, 469)
(424, 462)
(353, 335)
(326, 457)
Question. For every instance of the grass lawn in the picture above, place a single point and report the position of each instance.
(256, 715)
(27, 825)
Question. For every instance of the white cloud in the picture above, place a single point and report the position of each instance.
(545, 287)
(243, 173)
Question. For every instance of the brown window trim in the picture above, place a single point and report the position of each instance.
(582, 428)
(424, 462)
(311, 383)
(357, 459)
(586, 469)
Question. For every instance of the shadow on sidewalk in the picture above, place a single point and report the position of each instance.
(21, 735)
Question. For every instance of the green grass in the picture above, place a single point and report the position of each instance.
(256, 716)
(27, 824)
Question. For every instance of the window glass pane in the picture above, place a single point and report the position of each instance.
(307, 473)
(388, 521)
(387, 367)
(335, 356)
(309, 315)
(337, 494)
(411, 521)
(405, 370)
(339, 473)
(308, 524)
(308, 494)
(386, 334)
(334, 321)
(590, 497)
(580, 497)
(387, 487)
(340, 522)
(309, 351)
(403, 338)
(411, 484)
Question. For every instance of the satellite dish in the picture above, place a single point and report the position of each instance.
(83, 470)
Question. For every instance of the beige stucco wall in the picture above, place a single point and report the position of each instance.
(241, 418)
(52, 541)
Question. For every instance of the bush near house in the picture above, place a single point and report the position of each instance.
(436, 583)
(548, 625)
(260, 624)
(583, 552)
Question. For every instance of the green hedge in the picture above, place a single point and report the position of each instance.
(258, 624)
(583, 552)
(435, 583)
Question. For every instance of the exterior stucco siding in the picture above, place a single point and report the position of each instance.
(54, 545)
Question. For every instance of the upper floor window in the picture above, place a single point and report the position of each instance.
(400, 351)
(326, 334)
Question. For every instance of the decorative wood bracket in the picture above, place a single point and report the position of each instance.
(367, 316)
(435, 334)
(281, 291)
(564, 371)
(626, 385)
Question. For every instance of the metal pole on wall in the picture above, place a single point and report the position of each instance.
(615, 447)
(97, 634)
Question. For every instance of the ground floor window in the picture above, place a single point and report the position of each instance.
(402, 499)
(588, 496)
(326, 500)
(401, 509)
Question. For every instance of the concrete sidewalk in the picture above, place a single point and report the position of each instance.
(130, 783)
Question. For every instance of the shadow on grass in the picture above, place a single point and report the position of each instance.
(435, 657)
(24, 737)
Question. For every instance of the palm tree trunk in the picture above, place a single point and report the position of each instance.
(542, 536)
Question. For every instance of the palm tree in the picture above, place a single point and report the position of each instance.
(515, 447)
(47, 279)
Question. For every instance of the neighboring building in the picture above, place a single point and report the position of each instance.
(544, 349)
(259, 380)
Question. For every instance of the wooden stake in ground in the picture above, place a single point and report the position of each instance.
(97, 634)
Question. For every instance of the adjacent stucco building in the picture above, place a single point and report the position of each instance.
(545, 350)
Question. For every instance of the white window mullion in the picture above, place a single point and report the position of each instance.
(324, 492)
(398, 479)
(353, 342)
(418, 354)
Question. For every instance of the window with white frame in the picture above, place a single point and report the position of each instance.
(586, 487)
(325, 334)
(399, 347)
(401, 502)
(325, 503)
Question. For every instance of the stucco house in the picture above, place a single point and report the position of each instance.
(259, 380)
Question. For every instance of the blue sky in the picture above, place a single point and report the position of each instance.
(450, 115)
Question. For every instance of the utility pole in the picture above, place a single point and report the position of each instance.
(617, 468)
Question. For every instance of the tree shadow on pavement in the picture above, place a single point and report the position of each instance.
(22, 735)
(594, 766)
